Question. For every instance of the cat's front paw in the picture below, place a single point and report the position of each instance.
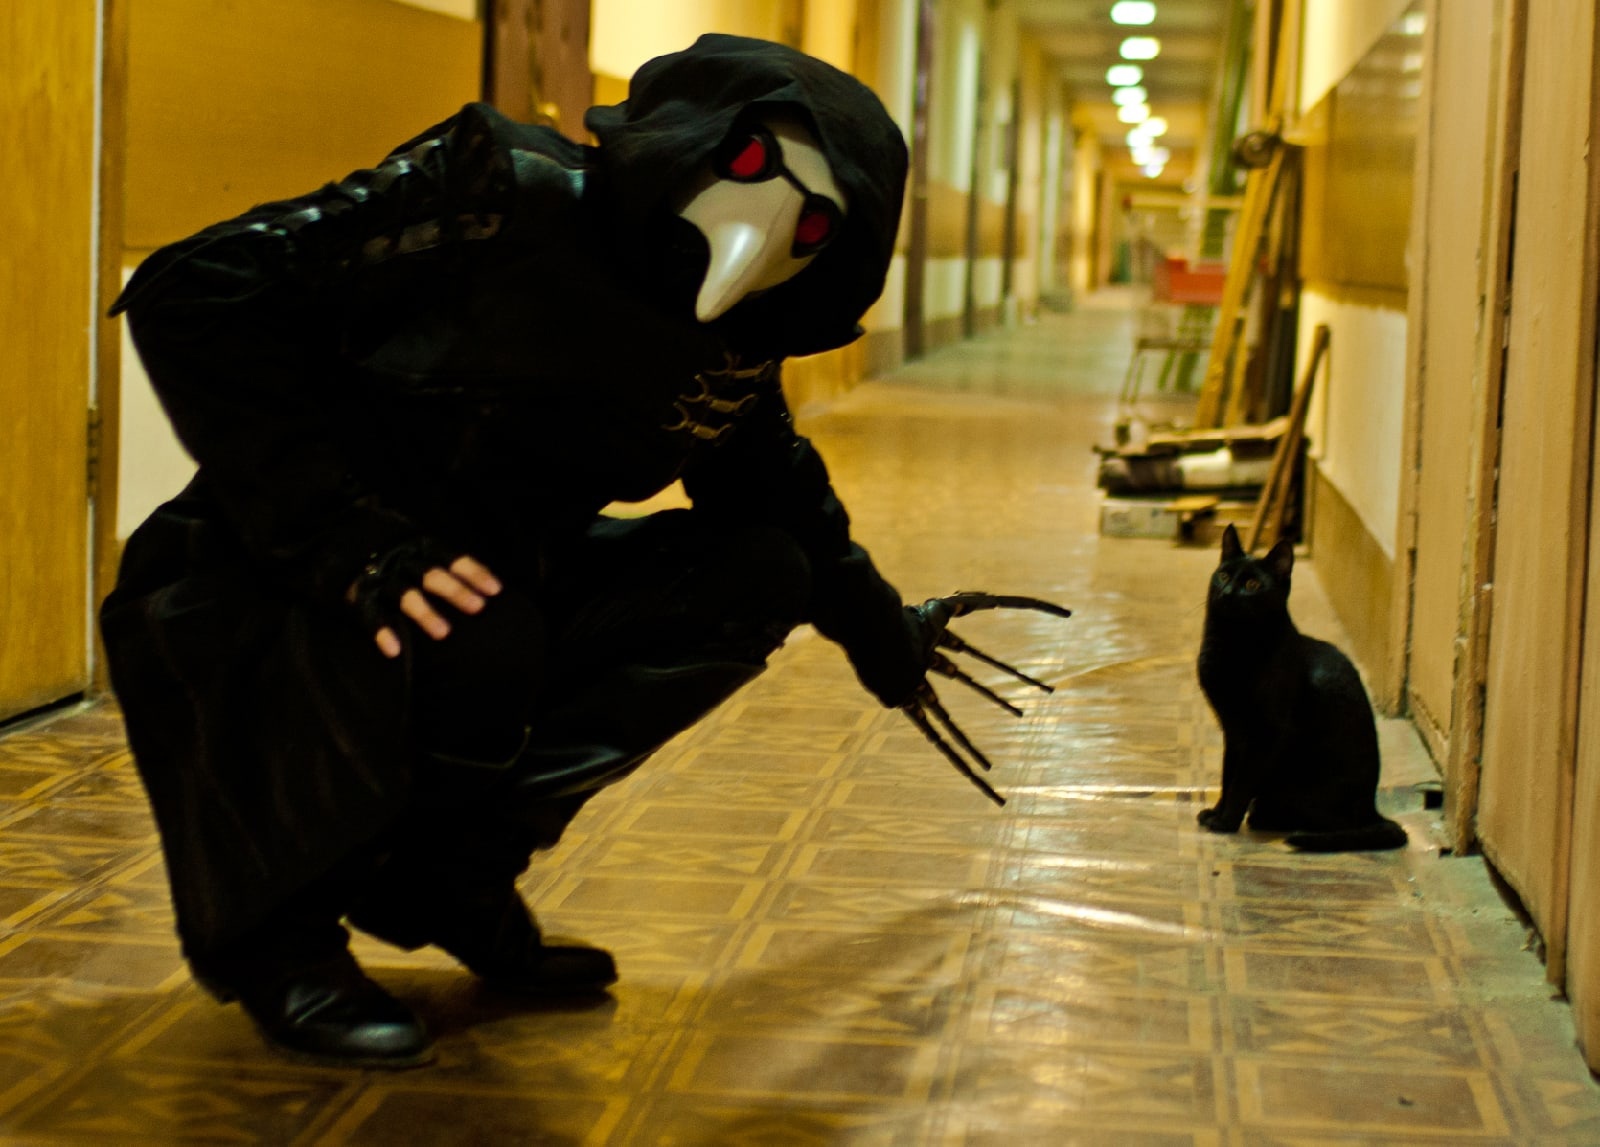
(1213, 819)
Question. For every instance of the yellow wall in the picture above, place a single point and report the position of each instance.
(1357, 408)
(626, 33)
(1081, 268)
(893, 76)
(1357, 417)
(232, 104)
(460, 9)
(828, 32)
(1030, 175)
(1335, 34)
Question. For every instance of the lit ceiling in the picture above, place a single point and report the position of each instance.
(1082, 42)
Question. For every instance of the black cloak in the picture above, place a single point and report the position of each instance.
(482, 342)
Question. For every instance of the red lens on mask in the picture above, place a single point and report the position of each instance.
(814, 229)
(753, 155)
(751, 161)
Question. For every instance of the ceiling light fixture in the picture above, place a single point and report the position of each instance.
(1154, 126)
(1124, 75)
(1133, 12)
(1152, 170)
(1140, 48)
(1120, 96)
(1133, 113)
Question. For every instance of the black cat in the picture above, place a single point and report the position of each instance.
(1300, 746)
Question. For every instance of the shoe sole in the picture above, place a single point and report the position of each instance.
(560, 993)
(363, 1062)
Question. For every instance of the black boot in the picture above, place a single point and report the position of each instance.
(456, 890)
(492, 933)
(331, 1013)
(297, 981)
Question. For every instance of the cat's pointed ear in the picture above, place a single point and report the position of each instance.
(1231, 548)
(1280, 559)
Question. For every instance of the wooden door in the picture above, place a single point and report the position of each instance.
(1454, 243)
(1582, 979)
(1541, 547)
(1583, 898)
(47, 125)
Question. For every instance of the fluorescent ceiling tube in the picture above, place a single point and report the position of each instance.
(1120, 96)
(1140, 48)
(1133, 12)
(1124, 75)
(1133, 113)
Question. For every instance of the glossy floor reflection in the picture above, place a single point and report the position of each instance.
(826, 935)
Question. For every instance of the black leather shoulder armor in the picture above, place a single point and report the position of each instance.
(463, 180)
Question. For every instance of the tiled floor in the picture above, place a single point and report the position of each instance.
(826, 935)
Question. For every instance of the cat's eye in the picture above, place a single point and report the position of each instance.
(1252, 584)
(1222, 580)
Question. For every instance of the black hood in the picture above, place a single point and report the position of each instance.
(680, 106)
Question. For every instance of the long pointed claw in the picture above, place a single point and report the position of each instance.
(955, 644)
(913, 710)
(967, 601)
(930, 702)
(943, 666)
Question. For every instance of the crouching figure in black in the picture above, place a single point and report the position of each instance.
(385, 645)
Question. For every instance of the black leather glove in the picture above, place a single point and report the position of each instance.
(894, 667)
(376, 593)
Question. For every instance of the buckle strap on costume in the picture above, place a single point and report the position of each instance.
(410, 202)
(724, 396)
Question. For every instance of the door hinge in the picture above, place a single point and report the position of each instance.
(93, 436)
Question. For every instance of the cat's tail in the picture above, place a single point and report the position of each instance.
(1381, 833)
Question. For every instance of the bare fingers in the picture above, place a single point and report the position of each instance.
(447, 586)
(464, 585)
(476, 575)
(388, 642)
(417, 607)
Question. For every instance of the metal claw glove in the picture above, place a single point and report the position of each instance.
(893, 670)
(923, 707)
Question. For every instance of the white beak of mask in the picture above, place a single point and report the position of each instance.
(767, 206)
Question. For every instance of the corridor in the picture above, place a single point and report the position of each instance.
(826, 935)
